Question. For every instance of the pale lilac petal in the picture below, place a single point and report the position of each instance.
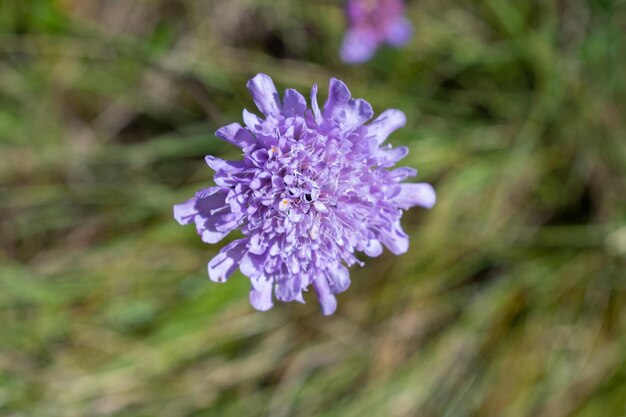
(400, 174)
(327, 300)
(227, 221)
(208, 229)
(346, 112)
(399, 32)
(395, 239)
(251, 265)
(339, 277)
(217, 164)
(315, 106)
(186, 212)
(356, 113)
(258, 157)
(299, 298)
(224, 264)
(294, 103)
(338, 95)
(257, 246)
(265, 95)
(388, 157)
(210, 199)
(373, 248)
(261, 298)
(287, 290)
(209, 212)
(251, 120)
(388, 122)
(234, 133)
(410, 195)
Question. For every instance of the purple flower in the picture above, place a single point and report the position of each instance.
(372, 23)
(314, 187)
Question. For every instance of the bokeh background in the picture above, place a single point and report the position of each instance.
(510, 303)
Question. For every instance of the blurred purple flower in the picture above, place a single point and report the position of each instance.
(372, 23)
(314, 186)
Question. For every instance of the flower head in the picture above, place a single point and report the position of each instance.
(314, 187)
(372, 23)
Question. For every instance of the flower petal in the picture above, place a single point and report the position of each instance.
(208, 229)
(402, 173)
(338, 96)
(208, 210)
(327, 300)
(186, 212)
(252, 121)
(294, 103)
(395, 239)
(315, 105)
(261, 298)
(265, 95)
(373, 248)
(213, 219)
(420, 194)
(234, 133)
(346, 112)
(224, 264)
(289, 289)
(339, 278)
(388, 157)
(385, 124)
(251, 265)
(217, 164)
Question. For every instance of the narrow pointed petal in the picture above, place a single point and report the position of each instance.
(265, 95)
(251, 120)
(261, 298)
(344, 111)
(388, 157)
(410, 195)
(395, 239)
(185, 213)
(235, 134)
(251, 265)
(294, 103)
(400, 174)
(327, 300)
(388, 122)
(224, 264)
(207, 229)
(315, 105)
(209, 212)
(338, 96)
(217, 164)
(288, 289)
(373, 248)
(339, 277)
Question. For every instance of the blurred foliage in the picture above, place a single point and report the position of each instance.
(511, 302)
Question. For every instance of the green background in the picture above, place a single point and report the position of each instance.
(510, 302)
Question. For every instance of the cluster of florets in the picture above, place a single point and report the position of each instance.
(314, 187)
